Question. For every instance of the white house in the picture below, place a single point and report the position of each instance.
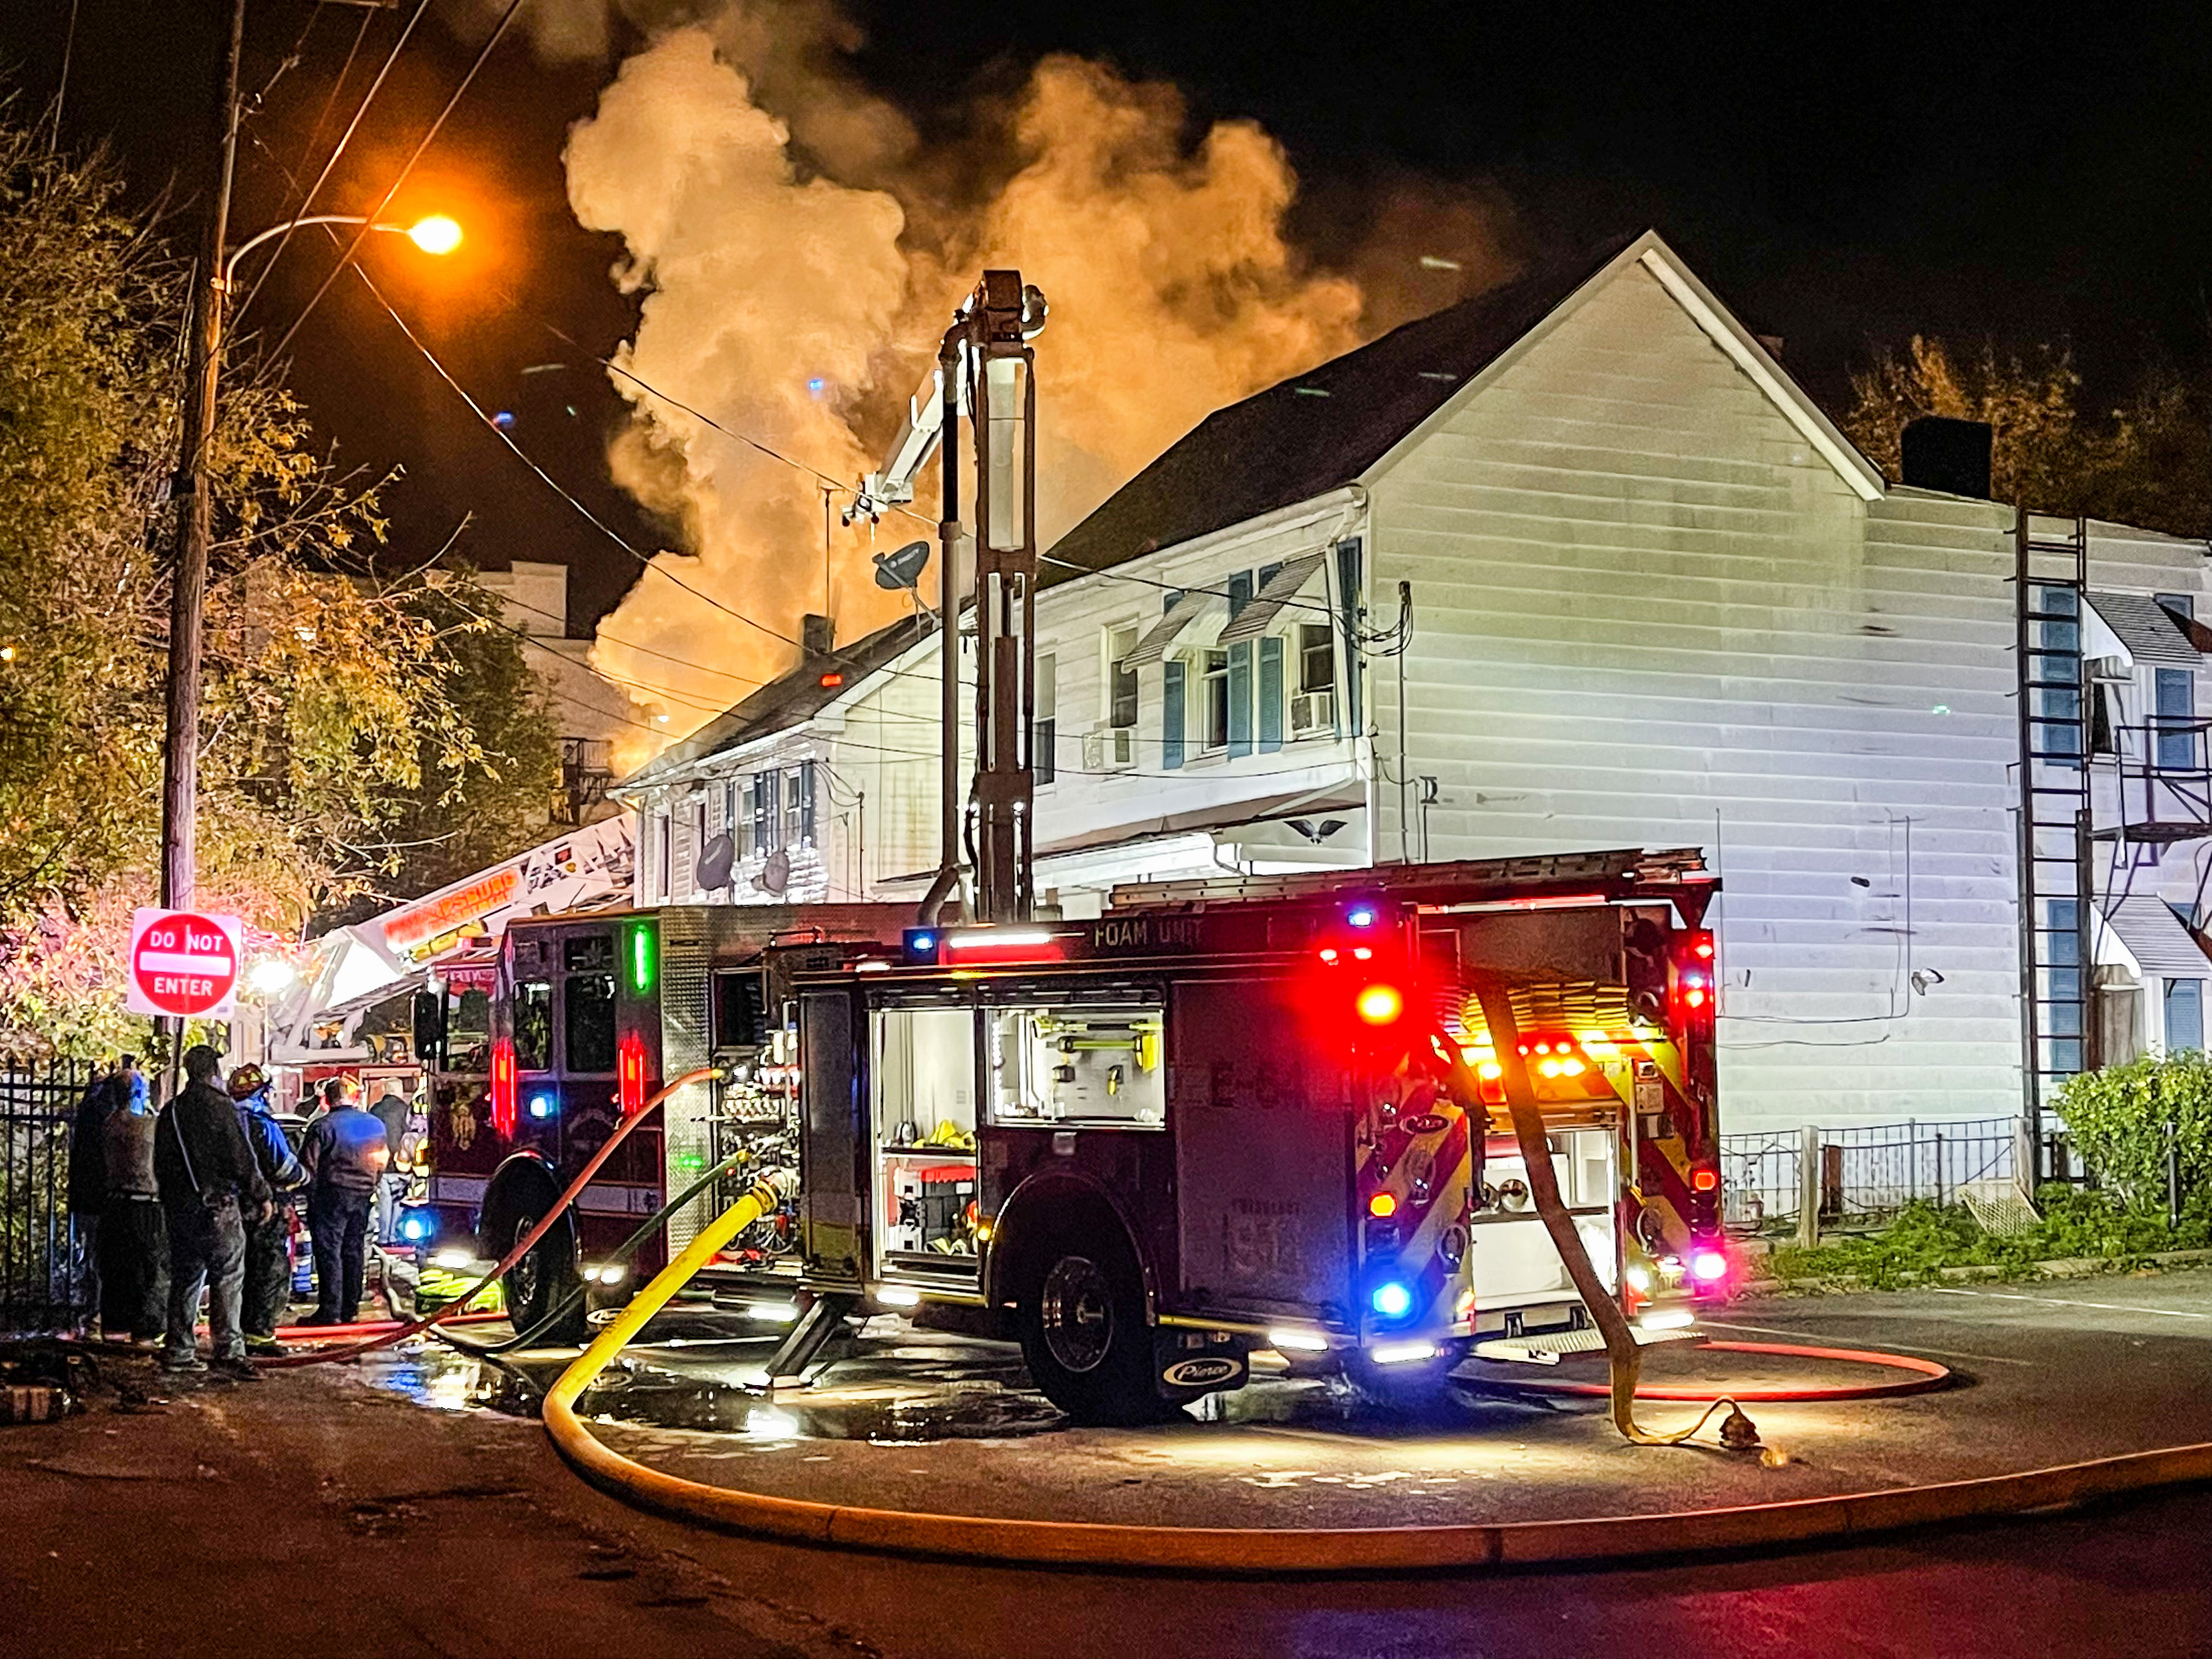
(1572, 565)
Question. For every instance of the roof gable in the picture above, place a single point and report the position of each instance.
(789, 700)
(1349, 419)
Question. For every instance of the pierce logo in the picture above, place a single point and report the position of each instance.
(1201, 1373)
(183, 963)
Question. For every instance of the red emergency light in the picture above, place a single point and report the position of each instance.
(629, 1074)
(503, 1088)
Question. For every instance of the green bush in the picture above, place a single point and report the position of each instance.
(2117, 1118)
(1924, 1238)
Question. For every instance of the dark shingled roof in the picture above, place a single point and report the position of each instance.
(1315, 431)
(789, 699)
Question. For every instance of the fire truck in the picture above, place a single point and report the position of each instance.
(1221, 1117)
(569, 1027)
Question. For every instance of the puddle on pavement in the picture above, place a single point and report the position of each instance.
(919, 1390)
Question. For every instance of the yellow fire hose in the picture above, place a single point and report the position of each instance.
(569, 1432)
(1624, 1356)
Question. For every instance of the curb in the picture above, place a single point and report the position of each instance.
(1269, 1551)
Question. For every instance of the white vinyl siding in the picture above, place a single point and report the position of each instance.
(1646, 612)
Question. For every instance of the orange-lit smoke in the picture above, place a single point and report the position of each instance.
(800, 252)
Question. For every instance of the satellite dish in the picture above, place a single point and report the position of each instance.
(903, 568)
(775, 874)
(715, 861)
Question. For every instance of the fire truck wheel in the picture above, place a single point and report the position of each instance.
(1083, 1335)
(535, 1285)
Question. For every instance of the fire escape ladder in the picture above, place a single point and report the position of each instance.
(2056, 888)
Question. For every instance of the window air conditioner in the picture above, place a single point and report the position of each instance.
(1115, 745)
(1313, 711)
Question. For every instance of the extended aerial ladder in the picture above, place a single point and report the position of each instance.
(985, 368)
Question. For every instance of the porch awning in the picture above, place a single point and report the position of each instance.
(1162, 634)
(2154, 936)
(2151, 633)
(1278, 591)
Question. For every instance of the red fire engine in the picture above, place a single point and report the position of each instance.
(1219, 1117)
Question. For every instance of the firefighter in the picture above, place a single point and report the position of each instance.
(268, 1242)
(346, 1157)
(211, 1187)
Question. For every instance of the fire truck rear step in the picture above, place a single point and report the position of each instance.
(1544, 1350)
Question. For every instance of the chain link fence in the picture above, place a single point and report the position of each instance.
(44, 1282)
(1859, 1176)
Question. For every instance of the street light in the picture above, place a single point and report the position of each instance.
(188, 595)
(435, 235)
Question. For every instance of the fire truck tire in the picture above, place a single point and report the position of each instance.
(536, 1285)
(1083, 1333)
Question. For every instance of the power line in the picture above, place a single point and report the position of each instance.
(332, 162)
(552, 484)
(368, 226)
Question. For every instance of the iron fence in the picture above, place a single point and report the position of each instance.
(1867, 1172)
(44, 1282)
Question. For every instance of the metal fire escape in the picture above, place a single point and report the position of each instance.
(2056, 888)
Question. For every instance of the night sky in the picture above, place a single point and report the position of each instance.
(1842, 177)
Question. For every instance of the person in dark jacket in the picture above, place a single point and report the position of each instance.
(210, 1185)
(346, 1156)
(87, 1187)
(268, 1242)
(134, 1243)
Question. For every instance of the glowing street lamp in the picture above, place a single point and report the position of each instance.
(188, 590)
(438, 234)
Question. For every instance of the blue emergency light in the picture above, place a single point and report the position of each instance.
(541, 1105)
(417, 1226)
(922, 945)
(1360, 915)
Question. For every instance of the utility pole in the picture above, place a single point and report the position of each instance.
(196, 507)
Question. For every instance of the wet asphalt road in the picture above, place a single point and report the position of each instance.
(324, 1512)
(2044, 1374)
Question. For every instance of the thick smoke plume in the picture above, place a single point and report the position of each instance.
(800, 249)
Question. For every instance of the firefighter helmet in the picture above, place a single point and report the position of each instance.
(247, 1081)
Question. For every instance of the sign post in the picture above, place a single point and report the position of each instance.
(184, 965)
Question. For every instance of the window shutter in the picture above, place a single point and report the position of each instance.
(1271, 696)
(1240, 698)
(806, 803)
(1347, 612)
(1173, 705)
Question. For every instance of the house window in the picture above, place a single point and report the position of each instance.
(766, 827)
(2184, 1014)
(1316, 658)
(1214, 695)
(2181, 603)
(1121, 681)
(1048, 718)
(664, 852)
(802, 803)
(2176, 690)
(698, 842)
(730, 827)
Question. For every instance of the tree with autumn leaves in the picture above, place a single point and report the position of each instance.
(359, 729)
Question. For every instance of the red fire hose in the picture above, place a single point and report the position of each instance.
(1926, 1374)
(522, 1246)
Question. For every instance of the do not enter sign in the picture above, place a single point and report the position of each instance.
(183, 963)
